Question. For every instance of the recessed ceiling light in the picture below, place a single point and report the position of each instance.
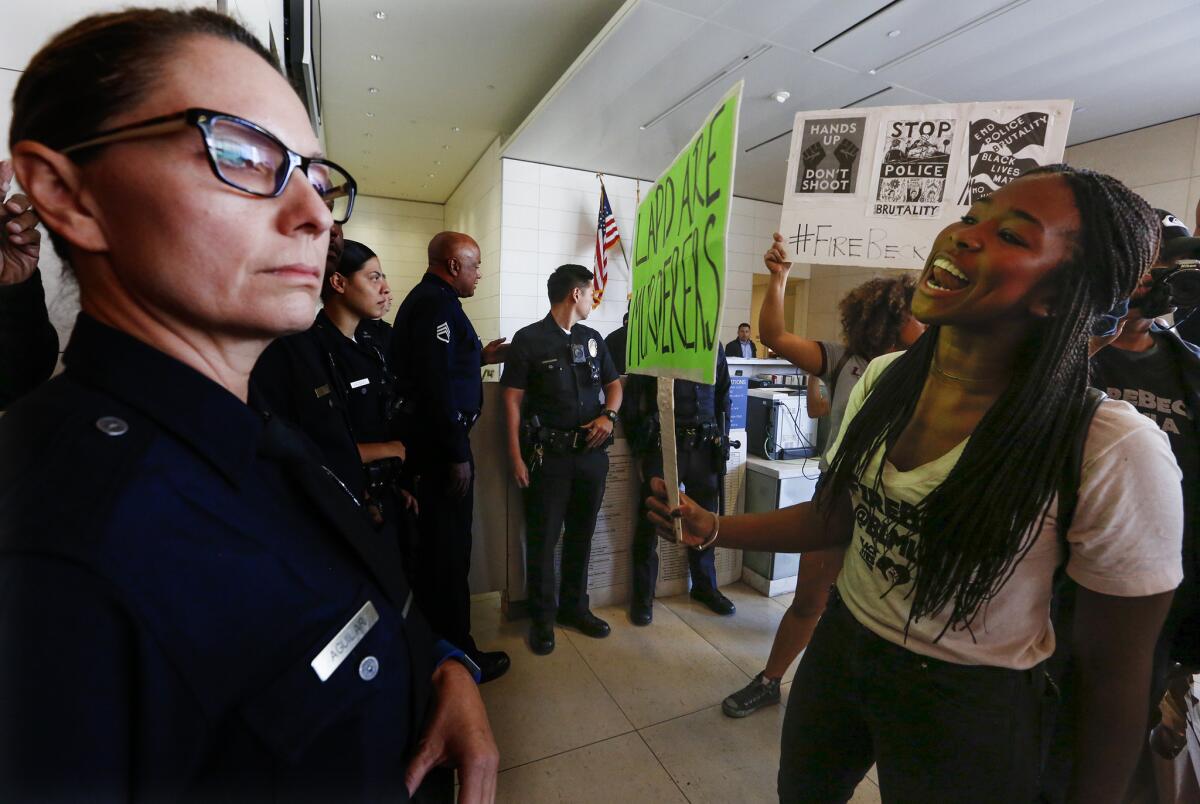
(431, 175)
(781, 96)
(381, 15)
(370, 114)
(372, 90)
(641, 128)
(455, 129)
(376, 57)
(893, 34)
(872, 72)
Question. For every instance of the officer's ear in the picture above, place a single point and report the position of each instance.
(453, 266)
(338, 282)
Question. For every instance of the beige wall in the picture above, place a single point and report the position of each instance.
(398, 231)
(826, 287)
(474, 208)
(1161, 162)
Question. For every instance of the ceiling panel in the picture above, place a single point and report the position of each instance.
(1129, 64)
(903, 28)
(443, 64)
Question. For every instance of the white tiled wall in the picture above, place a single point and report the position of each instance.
(549, 218)
(474, 208)
(398, 231)
(1161, 162)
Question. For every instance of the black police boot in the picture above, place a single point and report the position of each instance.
(541, 638)
(717, 603)
(492, 663)
(587, 623)
(641, 613)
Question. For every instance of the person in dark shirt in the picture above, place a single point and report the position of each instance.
(701, 441)
(332, 382)
(617, 342)
(203, 613)
(741, 346)
(561, 385)
(1152, 368)
(437, 356)
(28, 341)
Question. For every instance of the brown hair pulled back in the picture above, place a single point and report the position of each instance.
(101, 66)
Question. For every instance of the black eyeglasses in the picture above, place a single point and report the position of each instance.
(244, 155)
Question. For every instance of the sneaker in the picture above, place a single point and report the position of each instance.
(754, 696)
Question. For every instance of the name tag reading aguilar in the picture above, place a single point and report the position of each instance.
(333, 654)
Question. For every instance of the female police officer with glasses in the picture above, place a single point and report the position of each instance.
(201, 610)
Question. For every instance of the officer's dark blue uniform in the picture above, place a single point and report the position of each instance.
(340, 393)
(562, 376)
(179, 571)
(298, 380)
(436, 356)
(700, 413)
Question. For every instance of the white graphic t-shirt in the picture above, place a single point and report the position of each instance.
(1125, 540)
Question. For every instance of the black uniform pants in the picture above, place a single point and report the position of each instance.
(564, 495)
(442, 554)
(698, 474)
(937, 731)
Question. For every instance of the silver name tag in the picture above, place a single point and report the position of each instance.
(333, 654)
(360, 383)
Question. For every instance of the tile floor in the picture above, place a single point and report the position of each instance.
(637, 717)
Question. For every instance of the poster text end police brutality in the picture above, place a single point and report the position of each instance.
(671, 308)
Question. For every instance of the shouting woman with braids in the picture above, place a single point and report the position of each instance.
(942, 488)
(876, 320)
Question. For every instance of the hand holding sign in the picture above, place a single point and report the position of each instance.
(679, 270)
(20, 241)
(687, 517)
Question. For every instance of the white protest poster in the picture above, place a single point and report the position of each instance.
(873, 187)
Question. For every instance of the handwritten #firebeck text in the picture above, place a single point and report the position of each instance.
(679, 255)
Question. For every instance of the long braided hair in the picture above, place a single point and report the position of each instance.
(978, 523)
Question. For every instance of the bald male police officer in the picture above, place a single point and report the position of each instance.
(562, 389)
(436, 357)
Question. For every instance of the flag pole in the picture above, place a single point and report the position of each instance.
(621, 240)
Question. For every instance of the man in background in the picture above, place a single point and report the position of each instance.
(741, 346)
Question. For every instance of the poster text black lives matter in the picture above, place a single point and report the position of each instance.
(917, 169)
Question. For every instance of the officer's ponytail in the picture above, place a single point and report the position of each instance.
(354, 256)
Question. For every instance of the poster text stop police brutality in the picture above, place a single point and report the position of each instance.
(672, 310)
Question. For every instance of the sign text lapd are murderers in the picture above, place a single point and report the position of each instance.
(679, 255)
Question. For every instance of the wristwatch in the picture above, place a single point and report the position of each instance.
(611, 414)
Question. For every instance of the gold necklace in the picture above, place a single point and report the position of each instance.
(968, 380)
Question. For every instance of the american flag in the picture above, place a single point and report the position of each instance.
(606, 238)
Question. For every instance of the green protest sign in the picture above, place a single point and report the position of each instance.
(679, 255)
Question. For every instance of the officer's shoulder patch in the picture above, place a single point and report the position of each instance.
(443, 332)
